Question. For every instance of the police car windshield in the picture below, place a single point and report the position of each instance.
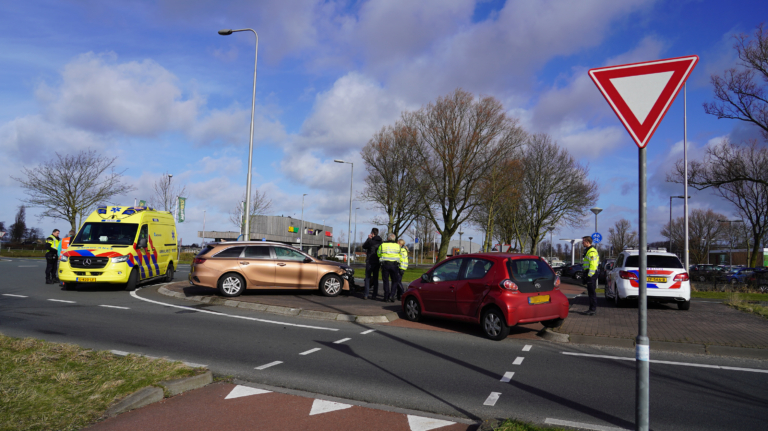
(654, 261)
(107, 233)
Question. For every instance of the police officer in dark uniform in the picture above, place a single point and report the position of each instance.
(372, 264)
(51, 257)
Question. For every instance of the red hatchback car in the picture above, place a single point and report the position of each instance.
(497, 290)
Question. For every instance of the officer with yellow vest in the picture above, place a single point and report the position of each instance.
(589, 272)
(403, 267)
(51, 257)
(389, 256)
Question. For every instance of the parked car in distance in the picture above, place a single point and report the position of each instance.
(704, 272)
(736, 275)
(666, 278)
(603, 268)
(496, 290)
(572, 271)
(758, 279)
(233, 267)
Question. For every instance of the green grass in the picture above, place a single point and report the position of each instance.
(54, 386)
(514, 425)
(740, 301)
(410, 273)
(22, 253)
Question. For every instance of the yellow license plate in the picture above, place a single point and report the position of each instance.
(656, 279)
(85, 279)
(538, 299)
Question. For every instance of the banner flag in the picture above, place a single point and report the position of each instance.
(181, 209)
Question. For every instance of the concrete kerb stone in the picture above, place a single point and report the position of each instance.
(286, 311)
(177, 386)
(553, 336)
(742, 352)
(140, 398)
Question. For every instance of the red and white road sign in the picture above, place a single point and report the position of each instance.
(641, 93)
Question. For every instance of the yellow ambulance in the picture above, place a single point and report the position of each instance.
(121, 245)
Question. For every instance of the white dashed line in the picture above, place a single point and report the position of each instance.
(310, 351)
(581, 425)
(491, 400)
(295, 325)
(507, 376)
(518, 360)
(685, 364)
(367, 332)
(341, 341)
(271, 364)
(15, 296)
(61, 300)
(115, 306)
(27, 266)
(527, 348)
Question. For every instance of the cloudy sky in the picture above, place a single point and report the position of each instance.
(152, 83)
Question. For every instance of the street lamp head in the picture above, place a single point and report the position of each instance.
(170, 175)
(225, 32)
(339, 161)
(596, 210)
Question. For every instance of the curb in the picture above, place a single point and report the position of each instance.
(667, 346)
(152, 394)
(285, 311)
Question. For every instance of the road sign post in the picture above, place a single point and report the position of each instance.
(640, 94)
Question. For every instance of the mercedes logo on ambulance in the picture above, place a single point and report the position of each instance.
(87, 262)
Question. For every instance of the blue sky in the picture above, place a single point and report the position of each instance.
(153, 84)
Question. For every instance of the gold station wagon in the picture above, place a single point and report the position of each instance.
(232, 267)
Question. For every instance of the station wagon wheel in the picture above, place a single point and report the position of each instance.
(231, 285)
(494, 325)
(412, 309)
(331, 285)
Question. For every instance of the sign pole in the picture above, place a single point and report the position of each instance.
(642, 343)
(685, 162)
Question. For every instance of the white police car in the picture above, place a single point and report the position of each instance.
(667, 279)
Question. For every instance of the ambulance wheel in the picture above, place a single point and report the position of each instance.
(133, 280)
(169, 273)
(68, 286)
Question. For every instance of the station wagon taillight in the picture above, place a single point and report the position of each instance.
(681, 277)
(509, 285)
(198, 261)
(626, 275)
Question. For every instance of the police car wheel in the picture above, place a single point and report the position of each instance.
(231, 285)
(331, 285)
(169, 273)
(617, 299)
(684, 305)
(133, 280)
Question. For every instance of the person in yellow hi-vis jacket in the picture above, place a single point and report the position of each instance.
(403, 267)
(589, 273)
(389, 256)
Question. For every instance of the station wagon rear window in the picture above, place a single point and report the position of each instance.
(230, 252)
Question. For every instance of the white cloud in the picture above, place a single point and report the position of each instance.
(32, 139)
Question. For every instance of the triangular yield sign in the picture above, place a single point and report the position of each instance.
(418, 423)
(323, 406)
(244, 391)
(641, 93)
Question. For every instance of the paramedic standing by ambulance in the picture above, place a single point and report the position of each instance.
(389, 256)
(51, 256)
(589, 272)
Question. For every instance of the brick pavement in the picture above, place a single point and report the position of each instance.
(707, 323)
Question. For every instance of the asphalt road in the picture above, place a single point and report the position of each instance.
(451, 374)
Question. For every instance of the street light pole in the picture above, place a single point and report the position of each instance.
(356, 227)
(460, 234)
(551, 229)
(203, 241)
(301, 234)
(349, 227)
(670, 218)
(470, 245)
(597, 211)
(247, 234)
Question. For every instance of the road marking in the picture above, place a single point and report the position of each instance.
(581, 425)
(27, 266)
(491, 400)
(323, 406)
(115, 306)
(367, 332)
(341, 341)
(527, 348)
(244, 391)
(518, 360)
(61, 300)
(685, 364)
(310, 351)
(133, 293)
(271, 364)
(507, 376)
(419, 423)
(15, 296)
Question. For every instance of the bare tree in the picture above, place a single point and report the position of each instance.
(703, 230)
(458, 140)
(392, 183)
(69, 186)
(556, 190)
(500, 180)
(166, 193)
(260, 204)
(738, 93)
(19, 226)
(621, 235)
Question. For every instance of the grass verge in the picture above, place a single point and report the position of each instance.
(739, 302)
(47, 386)
(513, 425)
(719, 295)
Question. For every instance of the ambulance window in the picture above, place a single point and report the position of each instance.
(144, 234)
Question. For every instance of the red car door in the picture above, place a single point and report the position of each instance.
(473, 284)
(439, 295)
